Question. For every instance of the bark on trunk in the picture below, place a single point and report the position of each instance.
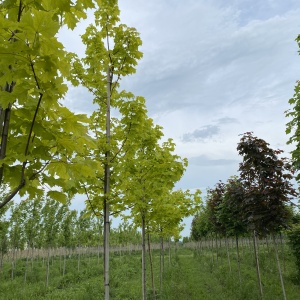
(48, 267)
(162, 264)
(107, 190)
(144, 289)
(238, 257)
(257, 265)
(228, 254)
(151, 268)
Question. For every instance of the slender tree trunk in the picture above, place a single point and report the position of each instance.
(217, 250)
(5, 119)
(282, 251)
(212, 250)
(98, 252)
(31, 258)
(107, 189)
(238, 257)
(60, 260)
(13, 265)
(228, 254)
(144, 289)
(251, 252)
(48, 267)
(78, 261)
(267, 243)
(257, 265)
(169, 250)
(162, 264)
(279, 267)
(26, 266)
(151, 267)
(242, 244)
(64, 266)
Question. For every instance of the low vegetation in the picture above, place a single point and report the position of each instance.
(195, 270)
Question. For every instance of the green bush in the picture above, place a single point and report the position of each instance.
(294, 242)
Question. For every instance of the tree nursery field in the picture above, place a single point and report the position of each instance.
(202, 270)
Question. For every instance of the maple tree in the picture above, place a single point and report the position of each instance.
(266, 179)
(149, 176)
(112, 52)
(267, 191)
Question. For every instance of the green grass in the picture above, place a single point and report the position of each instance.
(189, 274)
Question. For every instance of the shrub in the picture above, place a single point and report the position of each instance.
(294, 242)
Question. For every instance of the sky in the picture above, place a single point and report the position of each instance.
(211, 70)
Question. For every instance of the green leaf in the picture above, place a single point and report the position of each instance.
(58, 196)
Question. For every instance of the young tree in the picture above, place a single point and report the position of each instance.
(201, 225)
(16, 233)
(165, 218)
(52, 216)
(111, 53)
(214, 202)
(230, 215)
(151, 173)
(266, 179)
(32, 226)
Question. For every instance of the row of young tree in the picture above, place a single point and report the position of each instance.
(117, 156)
(46, 223)
(46, 228)
(258, 200)
(257, 203)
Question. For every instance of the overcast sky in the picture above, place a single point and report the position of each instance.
(211, 70)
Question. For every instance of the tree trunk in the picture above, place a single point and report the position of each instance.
(151, 267)
(162, 264)
(282, 251)
(144, 289)
(228, 254)
(31, 258)
(217, 250)
(238, 257)
(5, 119)
(26, 265)
(211, 246)
(48, 267)
(279, 267)
(257, 265)
(64, 266)
(169, 251)
(13, 263)
(267, 243)
(78, 261)
(106, 211)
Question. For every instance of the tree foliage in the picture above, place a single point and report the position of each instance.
(266, 179)
(33, 77)
(257, 200)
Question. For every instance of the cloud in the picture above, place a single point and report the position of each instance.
(230, 54)
(208, 131)
(205, 161)
(227, 120)
(201, 134)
